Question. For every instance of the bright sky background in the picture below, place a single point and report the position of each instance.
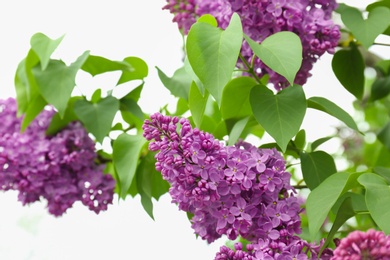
(114, 29)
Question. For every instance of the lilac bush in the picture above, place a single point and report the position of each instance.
(59, 168)
(235, 191)
(310, 20)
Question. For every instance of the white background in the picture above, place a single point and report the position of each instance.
(115, 30)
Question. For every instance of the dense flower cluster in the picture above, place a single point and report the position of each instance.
(372, 244)
(230, 190)
(60, 168)
(309, 19)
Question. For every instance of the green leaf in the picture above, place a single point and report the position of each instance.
(235, 98)
(384, 172)
(323, 197)
(44, 47)
(384, 67)
(377, 199)
(213, 53)
(135, 94)
(126, 151)
(281, 115)
(300, 139)
(320, 141)
(344, 212)
(316, 167)
(237, 130)
(282, 52)
(56, 83)
(35, 107)
(179, 84)
(57, 123)
(208, 18)
(384, 136)
(96, 96)
(139, 70)
(332, 109)
(97, 117)
(197, 103)
(348, 66)
(95, 65)
(380, 88)
(367, 30)
(132, 107)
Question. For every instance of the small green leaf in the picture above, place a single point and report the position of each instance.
(95, 65)
(320, 141)
(380, 88)
(56, 83)
(316, 167)
(282, 52)
(237, 130)
(348, 66)
(323, 197)
(44, 47)
(213, 53)
(281, 115)
(96, 96)
(125, 155)
(384, 136)
(332, 109)
(197, 103)
(131, 106)
(235, 98)
(367, 30)
(34, 108)
(179, 84)
(377, 198)
(139, 70)
(208, 18)
(97, 117)
(300, 139)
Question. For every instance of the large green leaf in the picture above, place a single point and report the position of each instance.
(235, 98)
(323, 197)
(348, 66)
(125, 155)
(316, 167)
(197, 103)
(97, 117)
(56, 83)
(281, 115)
(366, 30)
(377, 199)
(179, 84)
(95, 65)
(282, 52)
(213, 53)
(332, 109)
(139, 70)
(43, 46)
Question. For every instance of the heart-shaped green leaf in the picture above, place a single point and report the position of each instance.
(281, 115)
(43, 46)
(56, 83)
(377, 199)
(348, 66)
(367, 30)
(235, 98)
(213, 53)
(97, 117)
(282, 52)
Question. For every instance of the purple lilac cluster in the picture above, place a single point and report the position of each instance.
(235, 191)
(59, 168)
(309, 19)
(371, 244)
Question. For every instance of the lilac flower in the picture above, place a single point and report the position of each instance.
(310, 20)
(372, 244)
(59, 168)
